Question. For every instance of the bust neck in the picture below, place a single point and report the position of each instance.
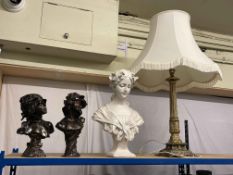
(35, 117)
(119, 101)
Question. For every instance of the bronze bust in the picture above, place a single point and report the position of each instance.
(72, 123)
(33, 106)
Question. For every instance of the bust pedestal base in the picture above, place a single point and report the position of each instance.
(120, 149)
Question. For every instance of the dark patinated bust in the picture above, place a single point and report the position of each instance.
(33, 106)
(73, 123)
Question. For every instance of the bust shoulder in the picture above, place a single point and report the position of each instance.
(100, 113)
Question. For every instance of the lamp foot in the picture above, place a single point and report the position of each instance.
(176, 150)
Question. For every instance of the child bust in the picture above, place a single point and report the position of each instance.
(73, 123)
(117, 117)
(33, 107)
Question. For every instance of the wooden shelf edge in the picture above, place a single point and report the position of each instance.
(86, 77)
(53, 74)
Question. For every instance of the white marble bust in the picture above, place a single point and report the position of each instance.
(117, 117)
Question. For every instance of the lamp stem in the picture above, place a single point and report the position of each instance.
(174, 127)
(174, 147)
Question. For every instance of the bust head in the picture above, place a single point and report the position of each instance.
(122, 82)
(74, 103)
(32, 106)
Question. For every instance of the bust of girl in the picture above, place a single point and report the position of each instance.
(117, 117)
(73, 122)
(33, 107)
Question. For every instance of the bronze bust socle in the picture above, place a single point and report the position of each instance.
(33, 106)
(72, 123)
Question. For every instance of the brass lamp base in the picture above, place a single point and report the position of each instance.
(175, 147)
(175, 150)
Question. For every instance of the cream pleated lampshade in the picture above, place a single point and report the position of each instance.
(170, 44)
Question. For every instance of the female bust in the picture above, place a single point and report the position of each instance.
(73, 122)
(33, 107)
(117, 117)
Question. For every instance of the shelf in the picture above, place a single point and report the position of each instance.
(101, 159)
(16, 159)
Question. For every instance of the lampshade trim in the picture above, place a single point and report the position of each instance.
(182, 88)
(179, 62)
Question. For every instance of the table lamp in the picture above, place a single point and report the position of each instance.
(171, 60)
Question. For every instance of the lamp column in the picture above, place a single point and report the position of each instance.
(174, 147)
(174, 127)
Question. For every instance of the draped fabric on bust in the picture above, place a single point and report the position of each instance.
(122, 126)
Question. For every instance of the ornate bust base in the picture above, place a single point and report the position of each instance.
(120, 149)
(34, 149)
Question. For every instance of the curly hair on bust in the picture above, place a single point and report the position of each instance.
(71, 98)
(29, 103)
(116, 77)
